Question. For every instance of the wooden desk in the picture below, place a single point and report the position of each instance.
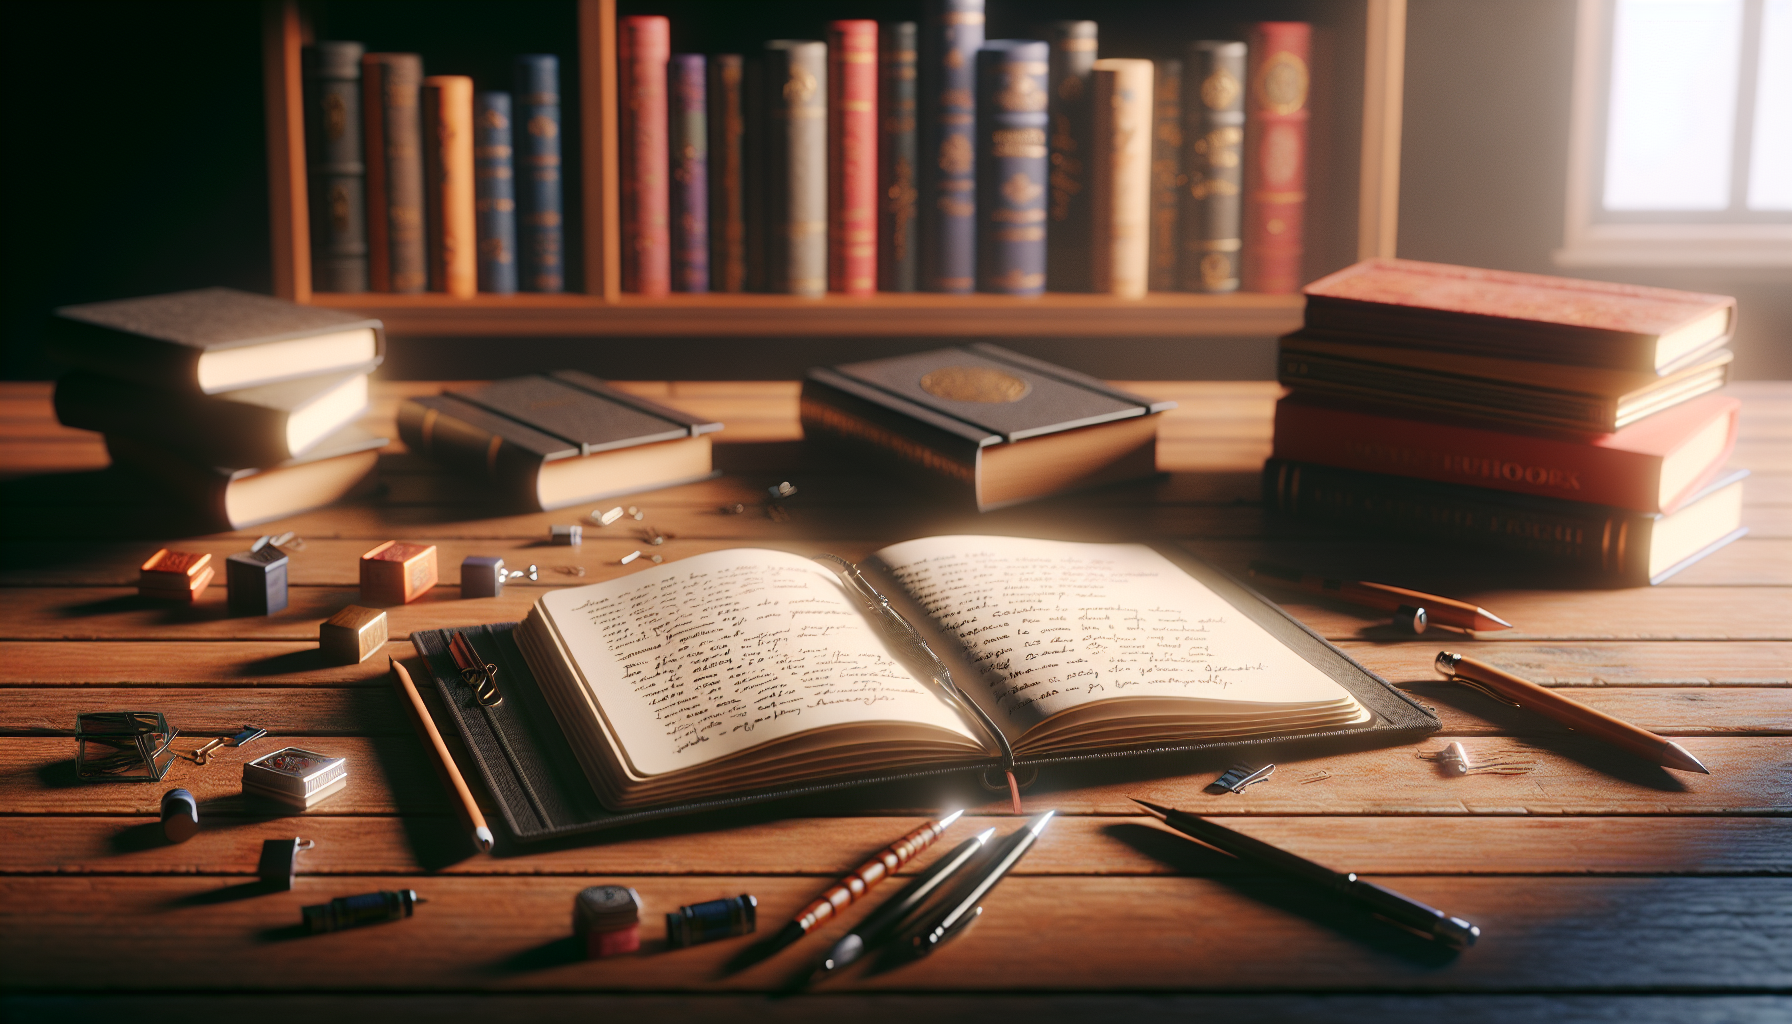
(1606, 890)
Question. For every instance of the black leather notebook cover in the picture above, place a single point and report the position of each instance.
(531, 772)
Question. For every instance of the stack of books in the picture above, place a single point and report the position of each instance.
(1574, 422)
(239, 406)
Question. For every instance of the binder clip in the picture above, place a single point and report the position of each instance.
(1239, 776)
(478, 673)
(1453, 760)
(279, 861)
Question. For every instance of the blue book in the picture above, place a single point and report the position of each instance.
(494, 192)
(951, 35)
(542, 233)
(1012, 168)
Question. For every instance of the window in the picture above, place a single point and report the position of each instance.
(1681, 152)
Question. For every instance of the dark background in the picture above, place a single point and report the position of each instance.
(136, 159)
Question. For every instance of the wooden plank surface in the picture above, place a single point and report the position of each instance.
(1594, 877)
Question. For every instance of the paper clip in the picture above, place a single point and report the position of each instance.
(481, 675)
(1237, 777)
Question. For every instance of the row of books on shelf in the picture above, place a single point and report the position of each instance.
(1573, 424)
(893, 157)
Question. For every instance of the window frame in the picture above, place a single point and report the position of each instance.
(1594, 237)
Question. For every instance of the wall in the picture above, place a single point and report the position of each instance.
(1483, 170)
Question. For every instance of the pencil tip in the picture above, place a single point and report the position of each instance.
(1687, 762)
(1498, 623)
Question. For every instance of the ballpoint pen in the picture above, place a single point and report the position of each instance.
(1402, 910)
(1412, 608)
(855, 885)
(881, 923)
(1504, 686)
(961, 907)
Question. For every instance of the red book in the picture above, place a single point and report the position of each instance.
(644, 46)
(1275, 156)
(1530, 316)
(1653, 465)
(852, 157)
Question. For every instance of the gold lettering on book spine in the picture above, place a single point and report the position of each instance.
(1282, 84)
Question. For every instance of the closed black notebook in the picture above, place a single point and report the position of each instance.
(529, 766)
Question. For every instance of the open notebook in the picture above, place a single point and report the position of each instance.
(757, 671)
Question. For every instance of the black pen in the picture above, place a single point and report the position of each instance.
(890, 914)
(1402, 910)
(961, 908)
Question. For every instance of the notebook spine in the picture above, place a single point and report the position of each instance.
(1166, 174)
(1072, 112)
(690, 172)
(1012, 123)
(541, 228)
(796, 167)
(727, 169)
(1122, 177)
(896, 235)
(393, 141)
(1609, 543)
(494, 182)
(1275, 164)
(448, 184)
(1213, 145)
(952, 34)
(852, 157)
(337, 171)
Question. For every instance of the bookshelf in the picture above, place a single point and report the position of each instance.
(1353, 198)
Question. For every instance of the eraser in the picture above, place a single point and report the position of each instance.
(397, 573)
(352, 635)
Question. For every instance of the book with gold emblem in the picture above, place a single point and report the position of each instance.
(992, 425)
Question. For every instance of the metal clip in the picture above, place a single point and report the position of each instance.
(481, 675)
(1239, 776)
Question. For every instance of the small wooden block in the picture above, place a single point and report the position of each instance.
(175, 575)
(482, 576)
(257, 581)
(352, 635)
(397, 573)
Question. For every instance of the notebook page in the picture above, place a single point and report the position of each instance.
(1052, 626)
(713, 654)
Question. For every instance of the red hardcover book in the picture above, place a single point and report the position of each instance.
(1531, 316)
(852, 157)
(1651, 466)
(448, 185)
(644, 46)
(1275, 155)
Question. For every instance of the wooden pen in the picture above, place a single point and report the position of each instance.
(1404, 603)
(432, 738)
(1571, 713)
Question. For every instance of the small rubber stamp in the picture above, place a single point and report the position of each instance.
(257, 579)
(180, 816)
(397, 573)
(482, 576)
(175, 575)
(571, 535)
(352, 635)
(298, 778)
(608, 918)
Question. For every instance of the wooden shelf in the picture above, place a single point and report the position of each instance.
(1161, 315)
(1353, 198)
